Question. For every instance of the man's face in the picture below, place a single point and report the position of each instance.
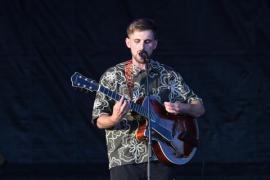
(141, 40)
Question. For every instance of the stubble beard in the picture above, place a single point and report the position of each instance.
(139, 59)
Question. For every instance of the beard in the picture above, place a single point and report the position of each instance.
(139, 59)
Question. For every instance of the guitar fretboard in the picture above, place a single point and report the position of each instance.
(135, 107)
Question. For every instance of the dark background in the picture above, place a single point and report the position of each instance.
(221, 48)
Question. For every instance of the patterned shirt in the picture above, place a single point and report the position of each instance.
(164, 84)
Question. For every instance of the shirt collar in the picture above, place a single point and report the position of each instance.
(137, 70)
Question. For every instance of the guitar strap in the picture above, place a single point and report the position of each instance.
(129, 77)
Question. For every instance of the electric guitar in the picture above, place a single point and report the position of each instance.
(175, 137)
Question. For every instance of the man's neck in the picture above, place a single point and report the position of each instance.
(139, 65)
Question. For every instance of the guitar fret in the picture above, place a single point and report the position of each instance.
(138, 109)
(106, 91)
(135, 108)
(101, 89)
(117, 97)
(114, 96)
(110, 93)
(144, 113)
(131, 105)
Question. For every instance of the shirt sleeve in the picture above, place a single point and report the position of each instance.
(102, 103)
(180, 91)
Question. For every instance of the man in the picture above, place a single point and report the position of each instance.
(128, 156)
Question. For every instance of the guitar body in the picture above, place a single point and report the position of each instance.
(174, 138)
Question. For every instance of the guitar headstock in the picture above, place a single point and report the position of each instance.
(80, 81)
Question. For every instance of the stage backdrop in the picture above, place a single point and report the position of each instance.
(221, 48)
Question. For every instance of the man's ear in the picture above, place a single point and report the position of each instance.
(128, 42)
(156, 43)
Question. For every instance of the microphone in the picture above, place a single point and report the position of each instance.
(144, 55)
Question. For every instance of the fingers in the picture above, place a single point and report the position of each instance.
(121, 107)
(119, 103)
(121, 100)
(169, 106)
(119, 110)
(172, 107)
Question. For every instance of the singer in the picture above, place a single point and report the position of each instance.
(128, 156)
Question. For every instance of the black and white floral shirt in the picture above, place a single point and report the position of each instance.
(165, 84)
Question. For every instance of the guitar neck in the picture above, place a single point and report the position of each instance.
(135, 107)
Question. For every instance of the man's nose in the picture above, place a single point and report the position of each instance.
(142, 46)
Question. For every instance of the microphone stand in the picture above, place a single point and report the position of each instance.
(145, 56)
(149, 130)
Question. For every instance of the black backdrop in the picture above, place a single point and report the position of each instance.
(220, 47)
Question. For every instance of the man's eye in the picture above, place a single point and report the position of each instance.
(147, 41)
(136, 41)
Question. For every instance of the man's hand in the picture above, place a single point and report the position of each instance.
(175, 108)
(195, 108)
(119, 110)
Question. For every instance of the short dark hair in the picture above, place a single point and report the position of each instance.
(142, 25)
